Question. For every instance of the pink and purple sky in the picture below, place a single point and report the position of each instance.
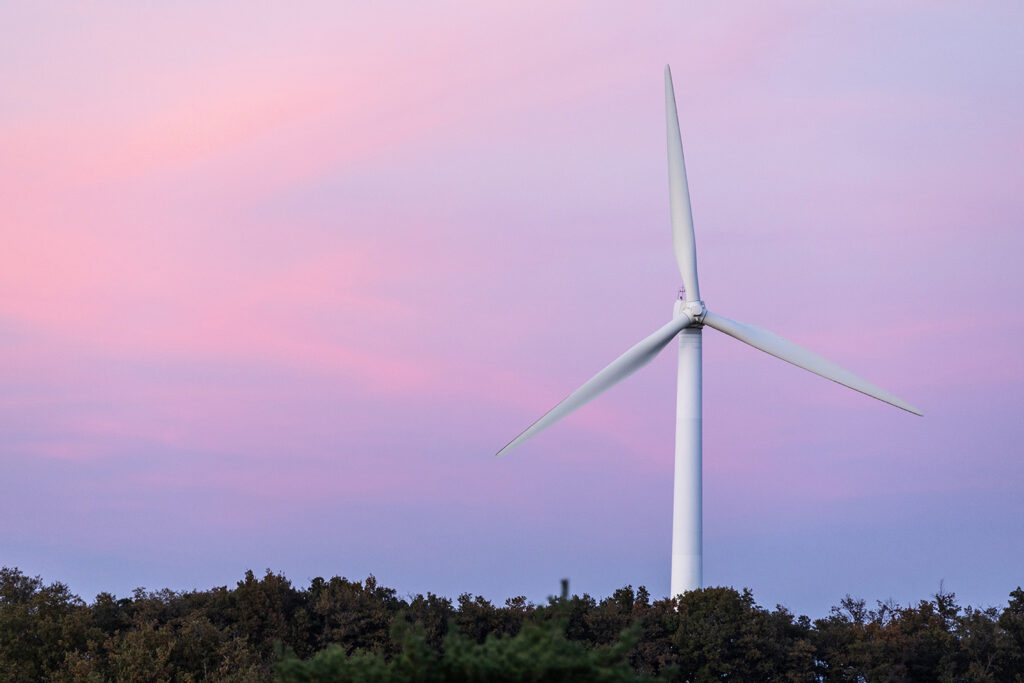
(276, 284)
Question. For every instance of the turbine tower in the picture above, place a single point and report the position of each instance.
(689, 318)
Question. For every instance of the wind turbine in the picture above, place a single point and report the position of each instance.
(689, 317)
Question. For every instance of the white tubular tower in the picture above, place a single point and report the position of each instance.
(687, 567)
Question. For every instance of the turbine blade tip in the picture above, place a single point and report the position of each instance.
(509, 447)
(909, 408)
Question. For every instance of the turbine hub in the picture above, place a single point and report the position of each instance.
(694, 310)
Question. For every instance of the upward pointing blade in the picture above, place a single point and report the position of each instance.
(621, 368)
(679, 197)
(797, 355)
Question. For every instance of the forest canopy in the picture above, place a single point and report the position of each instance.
(266, 629)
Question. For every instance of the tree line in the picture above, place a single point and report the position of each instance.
(267, 629)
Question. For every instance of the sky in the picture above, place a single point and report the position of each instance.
(276, 284)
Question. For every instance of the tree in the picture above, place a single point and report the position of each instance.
(269, 610)
(39, 625)
(355, 614)
(538, 652)
(722, 634)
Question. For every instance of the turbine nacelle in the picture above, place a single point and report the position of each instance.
(694, 310)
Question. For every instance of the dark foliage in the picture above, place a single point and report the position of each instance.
(266, 629)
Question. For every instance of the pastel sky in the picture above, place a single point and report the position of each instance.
(276, 284)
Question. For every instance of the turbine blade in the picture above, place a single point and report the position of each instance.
(621, 368)
(791, 353)
(679, 197)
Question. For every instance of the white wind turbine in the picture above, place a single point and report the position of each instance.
(689, 317)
